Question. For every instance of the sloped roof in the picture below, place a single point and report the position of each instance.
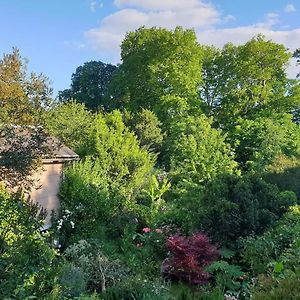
(63, 153)
(60, 152)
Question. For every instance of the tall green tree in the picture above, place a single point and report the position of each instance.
(157, 62)
(117, 149)
(71, 123)
(247, 81)
(198, 152)
(89, 84)
(258, 143)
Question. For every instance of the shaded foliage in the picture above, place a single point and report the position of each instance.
(89, 84)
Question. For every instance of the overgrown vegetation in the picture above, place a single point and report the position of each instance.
(188, 183)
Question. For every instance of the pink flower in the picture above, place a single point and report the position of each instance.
(146, 230)
(158, 230)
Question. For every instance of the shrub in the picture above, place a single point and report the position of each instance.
(27, 262)
(287, 288)
(93, 268)
(279, 244)
(231, 207)
(197, 151)
(188, 257)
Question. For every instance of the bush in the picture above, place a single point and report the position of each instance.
(188, 257)
(231, 207)
(138, 288)
(287, 288)
(278, 245)
(93, 268)
(28, 264)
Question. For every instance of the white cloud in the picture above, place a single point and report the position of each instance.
(164, 13)
(290, 8)
(229, 18)
(160, 4)
(94, 5)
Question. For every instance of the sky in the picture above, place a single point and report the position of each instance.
(57, 36)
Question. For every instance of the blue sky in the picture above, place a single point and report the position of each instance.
(59, 35)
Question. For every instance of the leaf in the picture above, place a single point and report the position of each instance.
(226, 253)
(278, 267)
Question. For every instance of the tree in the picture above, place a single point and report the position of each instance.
(23, 101)
(105, 184)
(297, 56)
(89, 84)
(71, 123)
(247, 81)
(23, 97)
(197, 152)
(157, 62)
(231, 207)
(259, 142)
(188, 257)
(147, 128)
(126, 165)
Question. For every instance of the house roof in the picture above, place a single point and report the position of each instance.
(62, 154)
(59, 152)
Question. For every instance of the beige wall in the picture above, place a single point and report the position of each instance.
(46, 196)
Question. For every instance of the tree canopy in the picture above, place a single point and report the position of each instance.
(157, 62)
(89, 84)
(247, 81)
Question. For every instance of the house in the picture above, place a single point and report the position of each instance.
(46, 181)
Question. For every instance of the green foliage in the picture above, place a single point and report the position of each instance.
(223, 124)
(259, 142)
(95, 271)
(126, 165)
(279, 245)
(87, 202)
(23, 273)
(138, 288)
(197, 151)
(72, 281)
(103, 187)
(231, 207)
(89, 84)
(285, 173)
(24, 97)
(247, 81)
(70, 123)
(147, 128)
(158, 62)
(271, 289)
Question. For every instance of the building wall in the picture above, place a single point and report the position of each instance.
(48, 182)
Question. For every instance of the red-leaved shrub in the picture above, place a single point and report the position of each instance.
(188, 257)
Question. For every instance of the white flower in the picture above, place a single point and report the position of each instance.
(72, 224)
